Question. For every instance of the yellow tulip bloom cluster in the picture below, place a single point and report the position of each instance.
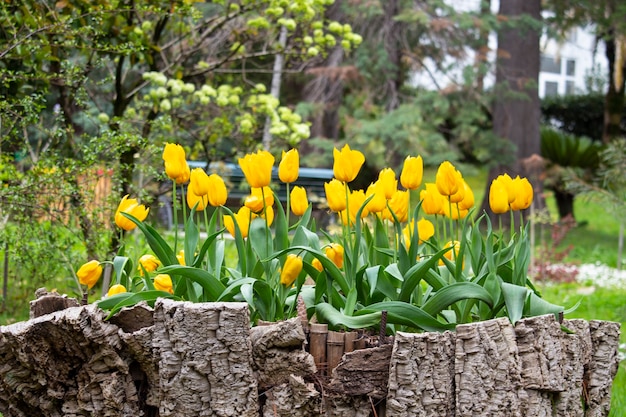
(506, 193)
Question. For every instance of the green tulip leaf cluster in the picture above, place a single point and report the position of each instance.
(425, 268)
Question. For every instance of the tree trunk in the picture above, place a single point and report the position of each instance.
(564, 203)
(516, 112)
(614, 99)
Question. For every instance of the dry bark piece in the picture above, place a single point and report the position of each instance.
(602, 368)
(294, 398)
(421, 375)
(487, 374)
(49, 302)
(576, 349)
(278, 352)
(64, 364)
(205, 365)
(363, 372)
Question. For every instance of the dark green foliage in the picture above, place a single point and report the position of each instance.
(569, 150)
(579, 115)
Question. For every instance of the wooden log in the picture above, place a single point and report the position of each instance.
(487, 374)
(334, 349)
(602, 368)
(421, 375)
(348, 341)
(318, 334)
(49, 302)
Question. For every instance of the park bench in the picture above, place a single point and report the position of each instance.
(312, 179)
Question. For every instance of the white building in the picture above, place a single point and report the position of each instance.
(565, 65)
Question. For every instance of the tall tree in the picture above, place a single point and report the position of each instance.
(516, 109)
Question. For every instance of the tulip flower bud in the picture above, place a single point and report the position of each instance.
(334, 252)
(335, 195)
(298, 200)
(289, 166)
(176, 166)
(347, 163)
(218, 193)
(149, 263)
(200, 182)
(89, 273)
(163, 282)
(116, 289)
(448, 179)
(498, 197)
(387, 178)
(132, 207)
(257, 168)
(291, 270)
(412, 172)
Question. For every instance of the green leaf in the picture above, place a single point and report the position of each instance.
(452, 293)
(326, 313)
(160, 248)
(197, 262)
(515, 299)
(192, 235)
(213, 288)
(281, 232)
(351, 299)
(122, 265)
(116, 302)
(416, 273)
(407, 315)
(537, 306)
(260, 238)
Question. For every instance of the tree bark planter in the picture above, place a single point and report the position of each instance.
(186, 359)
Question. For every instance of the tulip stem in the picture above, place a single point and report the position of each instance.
(175, 206)
(287, 209)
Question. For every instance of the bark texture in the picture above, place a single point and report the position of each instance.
(602, 366)
(487, 373)
(421, 375)
(278, 353)
(205, 366)
(201, 359)
(363, 372)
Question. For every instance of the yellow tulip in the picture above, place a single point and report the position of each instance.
(498, 197)
(132, 207)
(218, 194)
(176, 166)
(335, 195)
(507, 183)
(193, 198)
(257, 168)
(355, 201)
(89, 273)
(378, 203)
(149, 263)
(399, 204)
(468, 199)
(199, 180)
(289, 166)
(412, 172)
(448, 180)
(298, 201)
(432, 201)
(116, 289)
(268, 215)
(242, 217)
(181, 257)
(347, 163)
(259, 198)
(523, 191)
(334, 252)
(291, 270)
(425, 230)
(163, 282)
(388, 181)
(451, 254)
(317, 264)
